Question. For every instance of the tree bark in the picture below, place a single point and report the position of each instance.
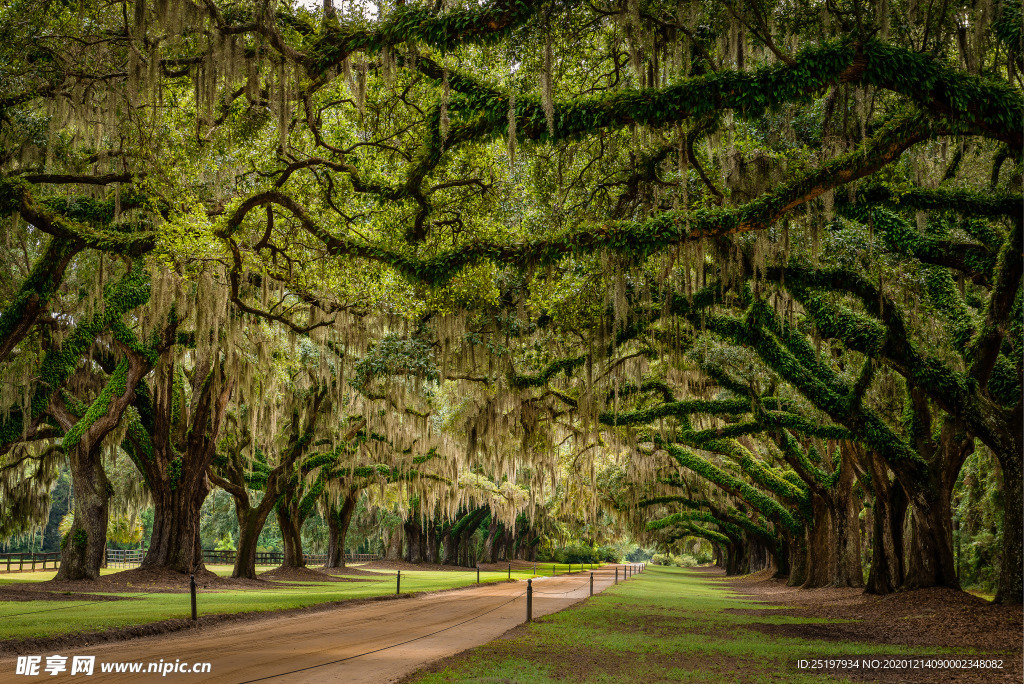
(338, 521)
(291, 535)
(497, 544)
(175, 544)
(250, 524)
(781, 556)
(797, 561)
(931, 562)
(718, 555)
(833, 540)
(489, 539)
(412, 537)
(82, 550)
(888, 511)
(394, 551)
(182, 445)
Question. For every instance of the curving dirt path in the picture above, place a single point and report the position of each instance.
(377, 642)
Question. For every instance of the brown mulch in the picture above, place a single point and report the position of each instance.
(304, 575)
(936, 617)
(144, 581)
(21, 594)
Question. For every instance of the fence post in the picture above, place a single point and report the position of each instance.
(478, 574)
(33, 556)
(553, 570)
(510, 571)
(616, 575)
(192, 590)
(529, 600)
(591, 584)
(398, 583)
(534, 569)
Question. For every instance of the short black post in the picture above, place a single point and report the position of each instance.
(510, 571)
(529, 600)
(534, 569)
(553, 571)
(192, 589)
(478, 574)
(398, 583)
(591, 584)
(616, 575)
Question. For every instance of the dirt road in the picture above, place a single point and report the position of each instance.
(377, 642)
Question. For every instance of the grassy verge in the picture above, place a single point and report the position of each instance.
(667, 624)
(35, 619)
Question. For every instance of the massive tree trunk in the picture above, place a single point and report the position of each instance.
(781, 555)
(737, 560)
(931, 562)
(719, 556)
(175, 457)
(250, 525)
(82, 550)
(888, 564)
(888, 511)
(797, 560)
(394, 550)
(497, 544)
(338, 520)
(833, 540)
(509, 545)
(291, 533)
(759, 557)
(489, 539)
(175, 544)
(412, 537)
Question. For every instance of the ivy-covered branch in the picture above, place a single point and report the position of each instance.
(638, 239)
(766, 505)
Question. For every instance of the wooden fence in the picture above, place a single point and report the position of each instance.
(122, 559)
(218, 557)
(29, 562)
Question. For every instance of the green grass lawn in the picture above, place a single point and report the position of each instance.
(667, 624)
(29, 619)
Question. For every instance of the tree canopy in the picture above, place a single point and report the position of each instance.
(747, 272)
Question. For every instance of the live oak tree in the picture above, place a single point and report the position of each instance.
(486, 157)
